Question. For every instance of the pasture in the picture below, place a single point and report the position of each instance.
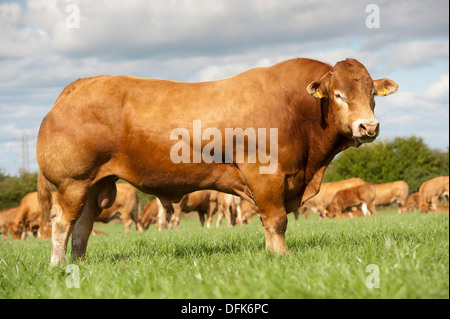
(328, 259)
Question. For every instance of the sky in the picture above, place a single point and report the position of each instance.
(47, 44)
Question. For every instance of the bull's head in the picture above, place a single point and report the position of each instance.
(350, 91)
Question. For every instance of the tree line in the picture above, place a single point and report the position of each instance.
(402, 158)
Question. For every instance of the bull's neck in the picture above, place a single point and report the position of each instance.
(328, 143)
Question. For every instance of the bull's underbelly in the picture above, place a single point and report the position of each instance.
(159, 176)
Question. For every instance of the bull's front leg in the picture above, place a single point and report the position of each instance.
(274, 221)
(269, 197)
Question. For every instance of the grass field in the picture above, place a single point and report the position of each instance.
(409, 255)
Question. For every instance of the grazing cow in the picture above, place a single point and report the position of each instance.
(430, 191)
(389, 193)
(248, 210)
(322, 200)
(229, 206)
(6, 217)
(152, 214)
(412, 203)
(363, 194)
(204, 202)
(126, 208)
(29, 217)
(108, 127)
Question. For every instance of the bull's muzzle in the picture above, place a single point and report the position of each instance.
(368, 129)
(365, 131)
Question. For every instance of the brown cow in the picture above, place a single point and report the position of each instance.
(322, 200)
(430, 191)
(363, 194)
(29, 217)
(412, 203)
(6, 217)
(229, 205)
(389, 193)
(204, 202)
(126, 208)
(151, 215)
(144, 131)
(248, 210)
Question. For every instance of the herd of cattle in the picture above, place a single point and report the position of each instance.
(342, 199)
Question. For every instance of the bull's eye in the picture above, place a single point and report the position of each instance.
(339, 97)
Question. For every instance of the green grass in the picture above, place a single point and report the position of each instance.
(328, 259)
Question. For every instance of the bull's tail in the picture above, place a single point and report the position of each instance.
(44, 196)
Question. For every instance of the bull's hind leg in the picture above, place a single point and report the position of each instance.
(65, 212)
(100, 196)
(165, 213)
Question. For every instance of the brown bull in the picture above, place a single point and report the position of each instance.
(171, 138)
(389, 193)
(345, 199)
(430, 191)
(126, 208)
(6, 216)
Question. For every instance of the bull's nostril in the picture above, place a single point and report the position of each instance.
(362, 128)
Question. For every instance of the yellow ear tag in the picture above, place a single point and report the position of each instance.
(384, 92)
(319, 94)
(325, 211)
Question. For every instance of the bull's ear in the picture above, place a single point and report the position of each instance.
(319, 89)
(385, 87)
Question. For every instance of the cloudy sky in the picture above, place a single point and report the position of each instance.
(47, 44)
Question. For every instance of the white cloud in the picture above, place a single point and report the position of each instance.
(439, 89)
(417, 53)
(117, 29)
